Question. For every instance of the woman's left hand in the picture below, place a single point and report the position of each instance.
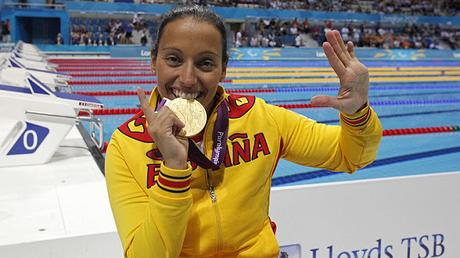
(353, 76)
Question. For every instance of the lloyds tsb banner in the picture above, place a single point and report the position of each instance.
(403, 217)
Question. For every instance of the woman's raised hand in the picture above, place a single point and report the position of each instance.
(353, 76)
(166, 130)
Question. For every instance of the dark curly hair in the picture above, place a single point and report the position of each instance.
(199, 13)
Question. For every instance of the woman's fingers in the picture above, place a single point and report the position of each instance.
(333, 59)
(176, 123)
(343, 103)
(334, 38)
(167, 117)
(350, 49)
(167, 130)
(148, 111)
(326, 101)
(354, 79)
(343, 48)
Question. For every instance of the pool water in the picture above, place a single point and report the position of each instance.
(399, 104)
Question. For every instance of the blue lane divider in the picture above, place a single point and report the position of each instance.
(414, 94)
(335, 88)
(370, 96)
(414, 102)
(324, 63)
(397, 102)
(302, 176)
(269, 76)
(400, 115)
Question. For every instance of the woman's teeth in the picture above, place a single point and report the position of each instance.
(184, 95)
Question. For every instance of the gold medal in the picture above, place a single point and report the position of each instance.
(190, 112)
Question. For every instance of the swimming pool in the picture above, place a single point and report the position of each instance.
(406, 95)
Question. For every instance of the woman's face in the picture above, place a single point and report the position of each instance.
(189, 61)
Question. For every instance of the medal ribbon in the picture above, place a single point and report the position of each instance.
(219, 144)
(161, 104)
(219, 138)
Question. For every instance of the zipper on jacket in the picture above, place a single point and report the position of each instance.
(213, 196)
(212, 192)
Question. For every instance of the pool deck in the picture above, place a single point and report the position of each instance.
(64, 203)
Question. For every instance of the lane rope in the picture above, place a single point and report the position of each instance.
(125, 111)
(82, 83)
(283, 89)
(310, 175)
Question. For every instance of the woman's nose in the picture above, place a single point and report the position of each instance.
(188, 76)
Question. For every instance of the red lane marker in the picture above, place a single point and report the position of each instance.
(94, 69)
(98, 61)
(116, 111)
(420, 130)
(249, 90)
(109, 93)
(129, 93)
(112, 82)
(111, 74)
(80, 62)
(294, 106)
(138, 82)
(123, 111)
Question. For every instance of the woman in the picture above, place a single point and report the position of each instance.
(209, 195)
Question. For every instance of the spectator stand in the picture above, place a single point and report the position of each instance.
(388, 34)
(387, 24)
(108, 29)
(380, 31)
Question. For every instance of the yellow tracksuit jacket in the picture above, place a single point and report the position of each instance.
(161, 212)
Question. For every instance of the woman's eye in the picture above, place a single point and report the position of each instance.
(172, 60)
(207, 64)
